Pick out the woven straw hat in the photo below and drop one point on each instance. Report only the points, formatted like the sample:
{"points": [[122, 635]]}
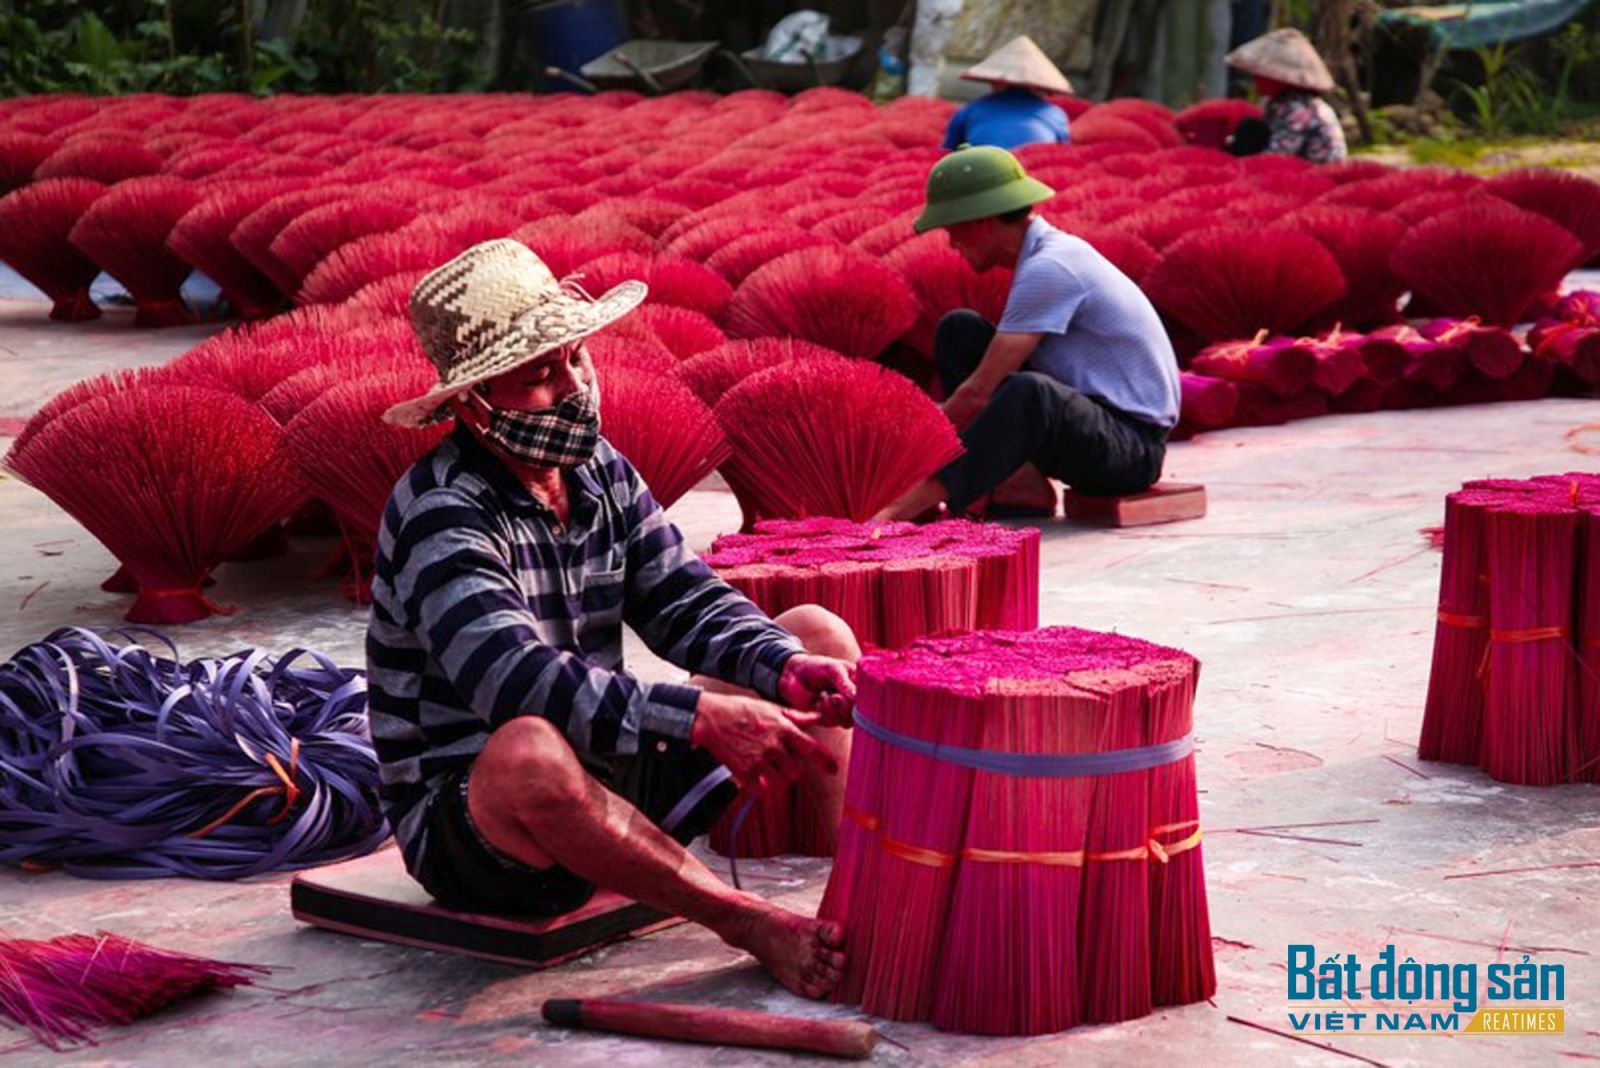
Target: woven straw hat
{"points": [[1284, 56], [1021, 63], [494, 307]]}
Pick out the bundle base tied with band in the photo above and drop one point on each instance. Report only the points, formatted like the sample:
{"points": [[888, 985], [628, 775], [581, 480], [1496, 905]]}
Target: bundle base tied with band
{"points": [[1021, 849], [1515, 682]]}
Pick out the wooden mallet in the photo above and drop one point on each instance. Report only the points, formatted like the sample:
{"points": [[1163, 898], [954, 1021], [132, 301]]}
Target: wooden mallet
{"points": [[713, 1026]]}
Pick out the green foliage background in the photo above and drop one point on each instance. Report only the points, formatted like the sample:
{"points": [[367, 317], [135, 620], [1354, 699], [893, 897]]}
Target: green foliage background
{"points": [[195, 46]]}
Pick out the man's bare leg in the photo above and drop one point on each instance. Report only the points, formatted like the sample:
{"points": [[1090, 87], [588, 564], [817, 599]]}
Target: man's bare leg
{"points": [[533, 800]]}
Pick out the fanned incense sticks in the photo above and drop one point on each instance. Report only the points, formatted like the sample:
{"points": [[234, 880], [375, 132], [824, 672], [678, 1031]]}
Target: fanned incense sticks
{"points": [[1513, 684], [1037, 863]]}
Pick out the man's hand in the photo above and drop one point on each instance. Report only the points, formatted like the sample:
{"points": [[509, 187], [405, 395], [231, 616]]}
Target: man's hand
{"points": [[759, 742], [819, 684], [964, 405]]}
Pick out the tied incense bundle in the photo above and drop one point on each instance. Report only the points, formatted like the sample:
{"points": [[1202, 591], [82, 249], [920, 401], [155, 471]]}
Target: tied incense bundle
{"points": [[1011, 798], [1512, 687], [892, 583]]}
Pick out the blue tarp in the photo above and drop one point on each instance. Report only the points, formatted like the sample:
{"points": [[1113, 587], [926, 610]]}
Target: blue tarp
{"points": [[1485, 23]]}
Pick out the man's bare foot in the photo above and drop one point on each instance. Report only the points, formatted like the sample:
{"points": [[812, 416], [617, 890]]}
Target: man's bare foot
{"points": [[1027, 489], [806, 955]]}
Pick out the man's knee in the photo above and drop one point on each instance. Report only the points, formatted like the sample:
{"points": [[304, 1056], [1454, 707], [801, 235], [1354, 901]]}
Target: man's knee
{"points": [[1026, 394], [821, 632], [529, 766]]}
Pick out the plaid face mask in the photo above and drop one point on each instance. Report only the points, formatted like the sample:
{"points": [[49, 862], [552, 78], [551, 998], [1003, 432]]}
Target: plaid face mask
{"points": [[562, 436]]}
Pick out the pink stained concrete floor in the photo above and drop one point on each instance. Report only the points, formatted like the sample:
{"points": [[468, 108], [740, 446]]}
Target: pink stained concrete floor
{"points": [[1308, 595]]}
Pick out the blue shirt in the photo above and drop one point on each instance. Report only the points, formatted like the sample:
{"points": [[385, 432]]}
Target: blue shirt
{"points": [[1010, 119], [484, 610], [1102, 335]]}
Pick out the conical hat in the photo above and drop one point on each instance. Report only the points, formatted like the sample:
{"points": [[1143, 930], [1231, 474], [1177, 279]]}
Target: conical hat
{"points": [[1021, 63], [1284, 56]]}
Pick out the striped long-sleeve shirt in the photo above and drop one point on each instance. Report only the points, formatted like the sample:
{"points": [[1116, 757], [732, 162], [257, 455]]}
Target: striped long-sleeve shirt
{"points": [[482, 611]]}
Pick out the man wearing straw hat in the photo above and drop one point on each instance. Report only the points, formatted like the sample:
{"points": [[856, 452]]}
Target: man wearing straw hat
{"points": [[1014, 113], [522, 767], [1297, 121], [1077, 381]]}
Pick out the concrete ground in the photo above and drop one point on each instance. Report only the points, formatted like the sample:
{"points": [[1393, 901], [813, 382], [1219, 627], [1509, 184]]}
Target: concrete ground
{"points": [[1308, 594]]}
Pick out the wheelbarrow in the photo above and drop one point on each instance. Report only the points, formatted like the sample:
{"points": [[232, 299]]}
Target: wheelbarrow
{"points": [[654, 66], [837, 56]]}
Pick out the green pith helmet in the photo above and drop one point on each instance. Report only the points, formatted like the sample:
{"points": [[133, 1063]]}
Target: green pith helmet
{"points": [[976, 182]]}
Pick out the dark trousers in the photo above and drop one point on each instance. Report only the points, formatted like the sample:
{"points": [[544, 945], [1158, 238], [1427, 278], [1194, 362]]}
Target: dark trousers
{"points": [[1086, 443]]}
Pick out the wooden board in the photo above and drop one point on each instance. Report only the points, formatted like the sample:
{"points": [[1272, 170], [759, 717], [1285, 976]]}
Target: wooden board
{"points": [[373, 897], [1165, 502]]}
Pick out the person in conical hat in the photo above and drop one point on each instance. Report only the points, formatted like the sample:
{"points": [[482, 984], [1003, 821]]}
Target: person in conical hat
{"points": [[1015, 113], [523, 766], [1290, 77]]}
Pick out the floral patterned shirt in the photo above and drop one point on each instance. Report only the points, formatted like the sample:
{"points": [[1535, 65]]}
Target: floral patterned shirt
{"points": [[1305, 125]]}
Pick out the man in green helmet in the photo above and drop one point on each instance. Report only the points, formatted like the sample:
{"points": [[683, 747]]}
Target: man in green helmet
{"points": [[1078, 379]]}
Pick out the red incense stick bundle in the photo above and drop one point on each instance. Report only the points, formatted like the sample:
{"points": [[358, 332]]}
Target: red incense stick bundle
{"points": [[1528, 735], [1492, 350], [1285, 370], [1452, 720], [1588, 641], [996, 877]]}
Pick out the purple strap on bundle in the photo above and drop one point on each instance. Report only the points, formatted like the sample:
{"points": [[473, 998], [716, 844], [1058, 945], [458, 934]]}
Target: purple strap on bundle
{"points": [[116, 763], [1036, 765]]}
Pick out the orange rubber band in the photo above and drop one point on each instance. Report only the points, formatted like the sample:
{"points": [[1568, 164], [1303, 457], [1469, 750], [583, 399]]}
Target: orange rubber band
{"points": [[1454, 619], [287, 787], [916, 854], [1530, 634]]}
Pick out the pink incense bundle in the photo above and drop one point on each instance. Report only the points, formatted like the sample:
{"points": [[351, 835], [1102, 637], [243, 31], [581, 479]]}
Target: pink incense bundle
{"points": [[944, 282], [892, 583], [1208, 402], [101, 158], [1360, 240], [254, 233], [716, 370], [840, 438], [673, 280], [1507, 688], [1485, 258], [683, 332], [171, 479], [1588, 641], [664, 430], [1571, 346], [308, 238], [1230, 281], [203, 238], [62, 988], [1492, 350], [1285, 370], [1435, 365], [1452, 721], [779, 565], [125, 232], [741, 257], [1529, 729], [835, 297], [20, 155], [351, 458], [1020, 851], [35, 222]]}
